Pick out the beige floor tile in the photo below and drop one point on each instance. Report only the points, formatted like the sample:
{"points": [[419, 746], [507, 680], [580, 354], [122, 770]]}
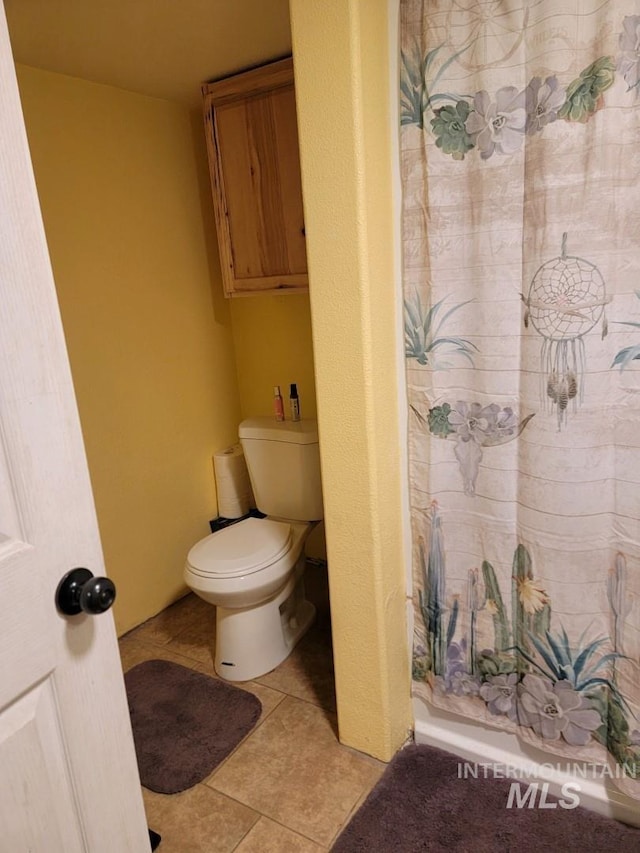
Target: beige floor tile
{"points": [[198, 820], [293, 770], [169, 623], [269, 837], [134, 651], [197, 640]]}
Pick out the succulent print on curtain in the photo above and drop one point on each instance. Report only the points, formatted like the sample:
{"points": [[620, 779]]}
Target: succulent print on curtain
{"points": [[520, 146]]}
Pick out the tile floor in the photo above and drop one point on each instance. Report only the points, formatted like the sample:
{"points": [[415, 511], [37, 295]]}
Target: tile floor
{"points": [[289, 786]]}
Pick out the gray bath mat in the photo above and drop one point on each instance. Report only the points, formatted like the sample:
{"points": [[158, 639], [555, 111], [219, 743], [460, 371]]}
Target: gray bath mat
{"points": [[420, 804], [184, 723]]}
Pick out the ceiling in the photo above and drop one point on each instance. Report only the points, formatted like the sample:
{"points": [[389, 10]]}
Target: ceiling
{"points": [[161, 48]]}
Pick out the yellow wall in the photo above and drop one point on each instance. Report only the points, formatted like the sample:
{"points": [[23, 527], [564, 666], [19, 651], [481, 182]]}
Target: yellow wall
{"points": [[122, 181], [346, 153], [272, 340]]}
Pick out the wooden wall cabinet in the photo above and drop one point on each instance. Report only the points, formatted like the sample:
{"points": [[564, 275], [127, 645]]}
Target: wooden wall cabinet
{"points": [[252, 142]]}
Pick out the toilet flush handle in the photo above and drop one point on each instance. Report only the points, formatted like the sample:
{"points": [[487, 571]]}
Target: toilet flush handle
{"points": [[79, 591]]}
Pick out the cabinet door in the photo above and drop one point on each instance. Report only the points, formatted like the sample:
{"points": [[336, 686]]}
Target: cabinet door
{"points": [[258, 167]]}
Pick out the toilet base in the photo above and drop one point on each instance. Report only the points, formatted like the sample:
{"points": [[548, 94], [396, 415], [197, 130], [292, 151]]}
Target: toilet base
{"points": [[251, 642]]}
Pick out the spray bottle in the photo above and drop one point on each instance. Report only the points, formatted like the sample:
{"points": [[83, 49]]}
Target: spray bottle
{"points": [[294, 402]]}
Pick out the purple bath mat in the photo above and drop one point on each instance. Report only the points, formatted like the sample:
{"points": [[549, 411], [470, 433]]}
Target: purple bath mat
{"points": [[421, 804], [184, 723]]}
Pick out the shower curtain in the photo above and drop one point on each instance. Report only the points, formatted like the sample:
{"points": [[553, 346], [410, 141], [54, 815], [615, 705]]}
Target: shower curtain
{"points": [[520, 151]]}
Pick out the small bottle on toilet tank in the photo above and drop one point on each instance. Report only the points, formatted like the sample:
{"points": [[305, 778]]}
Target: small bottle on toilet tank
{"points": [[294, 402], [278, 405]]}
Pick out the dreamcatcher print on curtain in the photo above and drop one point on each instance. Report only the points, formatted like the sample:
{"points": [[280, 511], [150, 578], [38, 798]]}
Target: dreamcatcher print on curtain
{"points": [[520, 146]]}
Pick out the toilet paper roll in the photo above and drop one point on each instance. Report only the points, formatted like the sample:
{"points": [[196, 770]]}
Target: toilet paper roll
{"points": [[233, 486]]}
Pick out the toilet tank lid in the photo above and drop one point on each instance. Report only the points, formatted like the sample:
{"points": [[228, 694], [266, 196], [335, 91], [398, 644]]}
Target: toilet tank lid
{"points": [[304, 431]]}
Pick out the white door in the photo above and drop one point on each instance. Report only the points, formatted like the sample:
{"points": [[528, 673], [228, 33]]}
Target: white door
{"points": [[68, 775]]}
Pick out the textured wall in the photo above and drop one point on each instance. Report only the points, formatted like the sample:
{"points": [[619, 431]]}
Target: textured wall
{"points": [[342, 82], [272, 341], [120, 179]]}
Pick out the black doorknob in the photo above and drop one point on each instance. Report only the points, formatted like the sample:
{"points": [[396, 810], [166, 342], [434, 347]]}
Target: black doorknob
{"points": [[79, 591]]}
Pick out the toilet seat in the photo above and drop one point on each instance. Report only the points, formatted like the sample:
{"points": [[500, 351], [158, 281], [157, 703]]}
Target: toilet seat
{"points": [[240, 549]]}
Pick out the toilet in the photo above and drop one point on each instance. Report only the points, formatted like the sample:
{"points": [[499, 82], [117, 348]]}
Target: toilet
{"points": [[253, 570]]}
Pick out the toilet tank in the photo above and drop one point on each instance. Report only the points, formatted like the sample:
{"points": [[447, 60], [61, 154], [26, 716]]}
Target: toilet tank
{"points": [[284, 467]]}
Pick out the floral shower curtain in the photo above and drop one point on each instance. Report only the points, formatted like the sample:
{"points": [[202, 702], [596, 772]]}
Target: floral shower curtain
{"points": [[520, 147]]}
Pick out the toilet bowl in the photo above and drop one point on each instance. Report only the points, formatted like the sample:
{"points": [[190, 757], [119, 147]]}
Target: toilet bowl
{"points": [[253, 573]]}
